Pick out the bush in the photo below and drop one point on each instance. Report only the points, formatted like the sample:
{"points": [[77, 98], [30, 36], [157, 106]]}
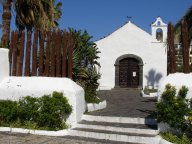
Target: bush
{"points": [[173, 110], [89, 81], [8, 111], [48, 112], [148, 91], [28, 109], [91, 95], [183, 139], [53, 111]]}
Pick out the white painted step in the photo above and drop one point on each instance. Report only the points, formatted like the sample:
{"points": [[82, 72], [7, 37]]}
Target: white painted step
{"points": [[129, 120], [115, 137], [119, 129]]}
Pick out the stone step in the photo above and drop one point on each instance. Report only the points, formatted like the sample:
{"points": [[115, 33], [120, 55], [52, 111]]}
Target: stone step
{"points": [[114, 136], [128, 120], [121, 129], [117, 132], [96, 141], [123, 125]]}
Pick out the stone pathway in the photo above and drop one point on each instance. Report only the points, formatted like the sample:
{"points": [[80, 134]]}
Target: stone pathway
{"points": [[126, 103], [15, 138]]}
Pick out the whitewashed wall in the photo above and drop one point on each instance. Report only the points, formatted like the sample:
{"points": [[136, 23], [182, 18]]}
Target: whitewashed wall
{"points": [[178, 80], [13, 88], [130, 39], [4, 63]]}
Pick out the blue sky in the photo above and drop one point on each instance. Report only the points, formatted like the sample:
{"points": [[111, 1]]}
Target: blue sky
{"points": [[101, 17]]}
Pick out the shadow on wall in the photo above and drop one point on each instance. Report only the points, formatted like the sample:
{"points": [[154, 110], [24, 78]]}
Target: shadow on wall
{"points": [[153, 78]]}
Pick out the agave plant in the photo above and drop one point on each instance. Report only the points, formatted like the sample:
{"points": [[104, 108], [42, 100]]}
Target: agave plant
{"points": [[89, 77]]}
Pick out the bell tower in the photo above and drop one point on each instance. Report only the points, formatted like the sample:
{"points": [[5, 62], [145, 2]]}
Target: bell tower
{"points": [[159, 31]]}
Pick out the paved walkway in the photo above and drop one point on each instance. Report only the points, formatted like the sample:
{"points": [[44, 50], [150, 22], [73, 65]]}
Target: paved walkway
{"points": [[125, 103], [16, 138]]}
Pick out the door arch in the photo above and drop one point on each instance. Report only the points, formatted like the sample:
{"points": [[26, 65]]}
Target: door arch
{"points": [[129, 71]]}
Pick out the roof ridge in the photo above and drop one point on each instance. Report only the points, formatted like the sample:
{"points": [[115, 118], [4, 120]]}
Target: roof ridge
{"points": [[127, 22]]}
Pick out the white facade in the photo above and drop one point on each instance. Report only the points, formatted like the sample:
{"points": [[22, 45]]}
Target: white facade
{"points": [[130, 41]]}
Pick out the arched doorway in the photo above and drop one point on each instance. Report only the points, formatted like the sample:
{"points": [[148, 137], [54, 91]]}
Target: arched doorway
{"points": [[129, 71]]}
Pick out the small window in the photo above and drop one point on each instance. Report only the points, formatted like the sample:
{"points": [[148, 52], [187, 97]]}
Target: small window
{"points": [[158, 23], [159, 35]]}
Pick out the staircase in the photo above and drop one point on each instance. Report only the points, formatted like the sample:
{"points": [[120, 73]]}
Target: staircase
{"points": [[127, 119], [117, 129]]}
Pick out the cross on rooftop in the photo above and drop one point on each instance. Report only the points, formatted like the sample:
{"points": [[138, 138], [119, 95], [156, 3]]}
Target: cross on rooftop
{"points": [[129, 18]]}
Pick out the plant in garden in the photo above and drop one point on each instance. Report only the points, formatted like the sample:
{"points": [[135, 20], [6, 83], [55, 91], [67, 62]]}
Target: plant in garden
{"points": [[53, 111], [148, 91], [174, 110], [47, 112], [28, 109], [8, 111], [89, 79], [176, 139], [85, 55]]}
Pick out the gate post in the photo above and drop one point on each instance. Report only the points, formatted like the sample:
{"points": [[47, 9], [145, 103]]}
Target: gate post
{"points": [[4, 63]]}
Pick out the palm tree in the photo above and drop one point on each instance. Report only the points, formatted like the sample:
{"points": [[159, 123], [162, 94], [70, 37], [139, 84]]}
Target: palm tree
{"points": [[38, 14], [6, 20]]}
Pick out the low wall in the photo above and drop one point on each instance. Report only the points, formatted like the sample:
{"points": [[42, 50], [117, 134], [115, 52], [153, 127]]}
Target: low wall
{"points": [[178, 80], [94, 107], [13, 88], [4, 63]]}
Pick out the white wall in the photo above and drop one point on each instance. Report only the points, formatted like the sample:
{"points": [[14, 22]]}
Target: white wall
{"points": [[13, 88], [178, 80], [130, 39], [4, 63]]}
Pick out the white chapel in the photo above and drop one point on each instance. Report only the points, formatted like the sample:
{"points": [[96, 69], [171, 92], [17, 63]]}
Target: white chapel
{"points": [[132, 58]]}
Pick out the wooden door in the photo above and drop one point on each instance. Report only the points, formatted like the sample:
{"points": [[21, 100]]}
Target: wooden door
{"points": [[129, 73]]}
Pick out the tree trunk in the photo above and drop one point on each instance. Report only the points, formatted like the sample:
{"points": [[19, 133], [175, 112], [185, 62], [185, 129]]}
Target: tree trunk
{"points": [[171, 49], [185, 46], [6, 20]]}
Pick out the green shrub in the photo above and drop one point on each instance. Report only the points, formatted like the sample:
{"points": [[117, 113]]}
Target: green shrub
{"points": [[88, 79], [172, 109], [48, 112], [28, 109], [8, 111], [91, 95], [53, 111], [183, 139], [148, 91]]}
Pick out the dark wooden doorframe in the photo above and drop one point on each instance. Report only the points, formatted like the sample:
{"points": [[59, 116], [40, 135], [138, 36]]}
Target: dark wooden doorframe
{"points": [[129, 73], [117, 64]]}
